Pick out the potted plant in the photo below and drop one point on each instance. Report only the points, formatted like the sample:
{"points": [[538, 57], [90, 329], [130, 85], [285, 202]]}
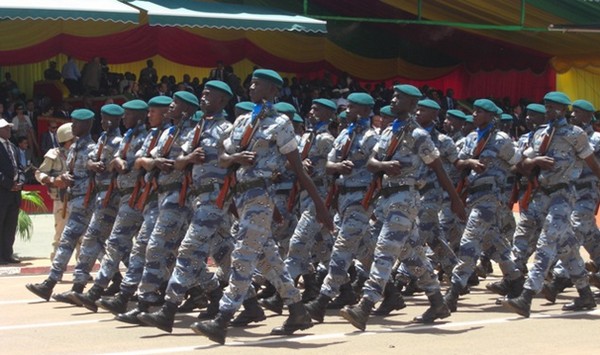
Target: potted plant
{"points": [[32, 201]]}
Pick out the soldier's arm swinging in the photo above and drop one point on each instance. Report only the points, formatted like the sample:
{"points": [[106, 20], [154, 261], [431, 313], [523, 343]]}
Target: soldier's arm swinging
{"points": [[456, 203]]}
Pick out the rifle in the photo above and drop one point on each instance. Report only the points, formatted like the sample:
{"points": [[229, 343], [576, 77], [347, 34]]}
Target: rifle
{"points": [[113, 180], [333, 191], [65, 198], [187, 178], [514, 193], [152, 184], [92, 182], [461, 188], [533, 183], [296, 186], [139, 181], [258, 114], [375, 184]]}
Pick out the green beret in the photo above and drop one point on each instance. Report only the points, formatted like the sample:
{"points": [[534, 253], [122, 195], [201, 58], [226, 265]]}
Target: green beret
{"points": [[297, 118], [469, 118], [584, 105], [160, 101], [429, 104], [342, 115], [387, 111], [408, 90], [187, 97], [197, 116], [245, 106], [284, 107], [486, 105], [325, 103], [506, 117], [135, 105], [219, 85], [112, 110], [558, 97], [499, 111], [269, 75], [361, 98], [457, 114], [82, 114], [537, 108]]}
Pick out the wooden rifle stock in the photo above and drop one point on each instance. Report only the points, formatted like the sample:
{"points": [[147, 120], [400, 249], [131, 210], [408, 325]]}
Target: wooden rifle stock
{"points": [[65, 198], [187, 177], [92, 182], [461, 187], [533, 183], [139, 181], [334, 191], [296, 186], [514, 193], [113, 180]]}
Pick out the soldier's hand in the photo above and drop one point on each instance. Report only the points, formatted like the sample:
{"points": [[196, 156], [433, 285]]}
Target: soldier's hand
{"points": [[59, 182], [392, 167], [345, 167], [119, 165], [164, 165], [96, 167], [17, 186], [68, 179], [198, 156], [245, 158], [477, 166], [544, 162], [308, 167]]}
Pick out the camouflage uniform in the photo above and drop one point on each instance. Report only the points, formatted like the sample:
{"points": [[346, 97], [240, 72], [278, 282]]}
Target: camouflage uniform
{"points": [[299, 261], [451, 226], [555, 200], [354, 219], [484, 199], [79, 216], [202, 236], [129, 220], [273, 139]]}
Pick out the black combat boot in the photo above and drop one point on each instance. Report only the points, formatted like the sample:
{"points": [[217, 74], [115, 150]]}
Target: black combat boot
{"points": [[42, 290], [311, 287], [392, 301], [299, 319], [473, 280], [251, 313], [115, 305], [595, 279], [358, 315], [411, 288], [214, 329], [585, 301], [520, 305], [131, 316], [88, 299], [437, 310], [347, 297], [358, 284], [317, 308], [196, 299], [273, 303], [213, 304], [451, 297], [266, 291], [553, 288], [499, 287], [115, 285], [162, 319], [65, 297], [515, 287]]}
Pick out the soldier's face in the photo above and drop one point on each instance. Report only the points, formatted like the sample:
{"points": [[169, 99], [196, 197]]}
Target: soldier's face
{"points": [[212, 101], [579, 116], [109, 122], [481, 117], [130, 118], [554, 110], [81, 128], [426, 115], [261, 90], [156, 115], [386, 120]]}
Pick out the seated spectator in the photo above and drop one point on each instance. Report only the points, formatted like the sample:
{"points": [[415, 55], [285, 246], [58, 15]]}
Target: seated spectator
{"points": [[24, 157]]}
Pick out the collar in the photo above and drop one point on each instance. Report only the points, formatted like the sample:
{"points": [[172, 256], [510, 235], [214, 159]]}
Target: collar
{"points": [[319, 126], [483, 131]]}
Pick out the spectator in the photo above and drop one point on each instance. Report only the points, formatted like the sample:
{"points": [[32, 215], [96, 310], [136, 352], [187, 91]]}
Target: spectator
{"points": [[52, 73], [91, 76], [24, 158], [9, 86], [218, 73], [32, 113], [49, 138], [72, 76], [148, 76]]}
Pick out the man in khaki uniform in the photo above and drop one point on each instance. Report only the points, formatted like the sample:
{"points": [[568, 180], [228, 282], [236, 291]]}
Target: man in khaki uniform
{"points": [[48, 174]]}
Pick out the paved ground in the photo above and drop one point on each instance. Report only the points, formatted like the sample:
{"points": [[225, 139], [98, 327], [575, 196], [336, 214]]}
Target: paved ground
{"points": [[33, 326]]}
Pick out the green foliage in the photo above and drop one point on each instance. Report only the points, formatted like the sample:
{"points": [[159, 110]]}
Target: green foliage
{"points": [[25, 224]]}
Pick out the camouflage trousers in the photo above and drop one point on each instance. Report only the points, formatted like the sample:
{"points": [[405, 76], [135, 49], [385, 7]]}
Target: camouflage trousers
{"points": [[77, 224], [163, 243], [399, 239], [482, 232], [207, 234], [254, 241], [556, 240], [137, 257], [119, 243], [526, 234], [451, 227], [282, 232]]}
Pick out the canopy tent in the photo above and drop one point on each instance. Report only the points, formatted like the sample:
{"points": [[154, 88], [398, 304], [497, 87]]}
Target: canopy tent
{"points": [[97, 10]]}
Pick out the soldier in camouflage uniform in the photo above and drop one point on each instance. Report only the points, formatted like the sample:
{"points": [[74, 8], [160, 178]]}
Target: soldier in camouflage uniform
{"points": [[159, 122], [172, 216], [208, 219], [485, 181], [77, 179], [272, 140], [129, 220], [558, 168], [400, 201]]}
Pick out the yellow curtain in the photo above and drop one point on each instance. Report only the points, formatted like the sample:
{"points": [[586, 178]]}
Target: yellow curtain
{"points": [[581, 84]]}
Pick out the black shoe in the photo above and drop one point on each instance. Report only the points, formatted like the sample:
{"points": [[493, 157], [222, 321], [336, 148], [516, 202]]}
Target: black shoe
{"points": [[358, 315], [585, 301], [273, 304], [473, 280], [215, 329], [347, 297], [451, 297], [162, 319], [520, 305], [499, 287], [212, 308], [115, 285], [115, 305], [392, 301], [266, 291], [252, 313], [411, 288], [131, 316], [317, 308], [42, 290], [299, 319], [12, 260], [67, 297], [196, 299], [88, 299], [595, 279], [311, 287], [437, 310]]}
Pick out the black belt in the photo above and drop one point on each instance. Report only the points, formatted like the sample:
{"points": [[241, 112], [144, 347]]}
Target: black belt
{"points": [[346, 190], [125, 191], [554, 188], [283, 192], [203, 189], [101, 188], [428, 186], [390, 190], [242, 187], [480, 188], [169, 187], [584, 185]]}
